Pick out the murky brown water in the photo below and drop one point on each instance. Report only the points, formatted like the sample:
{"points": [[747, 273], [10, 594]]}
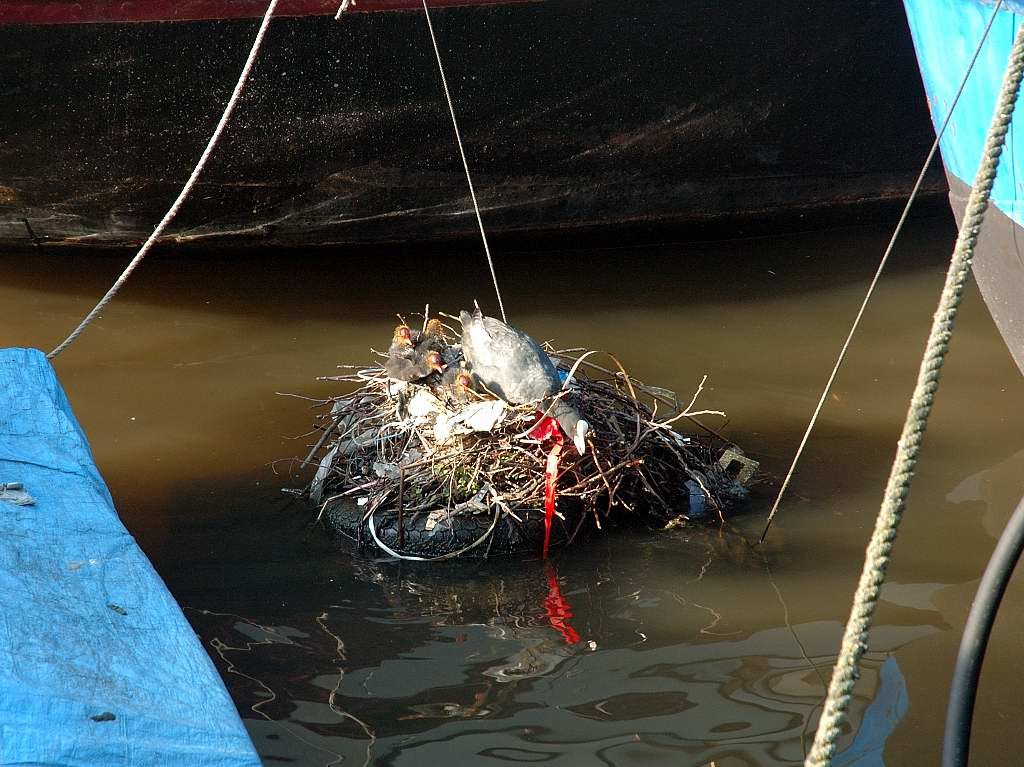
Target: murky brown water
{"points": [[694, 646]]}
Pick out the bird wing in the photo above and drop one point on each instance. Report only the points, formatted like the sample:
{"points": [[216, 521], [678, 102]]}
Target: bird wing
{"points": [[515, 363]]}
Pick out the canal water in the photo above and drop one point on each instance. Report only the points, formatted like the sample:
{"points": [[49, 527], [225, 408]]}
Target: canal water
{"points": [[694, 647]]}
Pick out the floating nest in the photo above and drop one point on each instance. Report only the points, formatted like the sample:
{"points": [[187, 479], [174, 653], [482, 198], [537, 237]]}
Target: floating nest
{"points": [[405, 470]]}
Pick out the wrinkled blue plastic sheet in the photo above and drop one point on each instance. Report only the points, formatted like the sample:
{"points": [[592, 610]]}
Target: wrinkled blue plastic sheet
{"points": [[98, 666]]}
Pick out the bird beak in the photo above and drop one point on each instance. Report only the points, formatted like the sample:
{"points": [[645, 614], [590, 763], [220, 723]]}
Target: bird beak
{"points": [[579, 438], [581, 445]]}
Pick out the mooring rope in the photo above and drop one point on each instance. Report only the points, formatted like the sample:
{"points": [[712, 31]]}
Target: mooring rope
{"points": [[855, 638], [185, 190], [342, 8], [878, 274], [465, 162]]}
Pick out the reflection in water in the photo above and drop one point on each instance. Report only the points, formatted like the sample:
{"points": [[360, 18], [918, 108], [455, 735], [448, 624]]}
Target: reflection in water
{"points": [[692, 646], [465, 662]]}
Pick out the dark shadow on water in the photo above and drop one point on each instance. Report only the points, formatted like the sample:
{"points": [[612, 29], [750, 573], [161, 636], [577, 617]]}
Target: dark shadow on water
{"points": [[370, 283]]}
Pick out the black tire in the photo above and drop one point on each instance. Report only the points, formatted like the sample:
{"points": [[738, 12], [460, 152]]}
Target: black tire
{"points": [[455, 533]]}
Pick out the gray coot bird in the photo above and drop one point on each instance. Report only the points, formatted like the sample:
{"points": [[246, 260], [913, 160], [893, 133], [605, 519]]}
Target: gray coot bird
{"points": [[514, 366]]}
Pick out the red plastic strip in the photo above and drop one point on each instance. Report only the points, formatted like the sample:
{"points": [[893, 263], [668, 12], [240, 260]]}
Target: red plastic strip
{"points": [[551, 491], [545, 429]]}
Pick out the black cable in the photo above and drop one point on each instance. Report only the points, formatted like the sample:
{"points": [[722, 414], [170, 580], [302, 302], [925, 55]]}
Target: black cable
{"points": [[957, 741]]}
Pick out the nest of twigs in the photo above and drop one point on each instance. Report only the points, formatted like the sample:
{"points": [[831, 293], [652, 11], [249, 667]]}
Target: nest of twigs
{"points": [[404, 470]]}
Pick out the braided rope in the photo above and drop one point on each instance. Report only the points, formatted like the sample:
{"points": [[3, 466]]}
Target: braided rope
{"points": [[185, 190], [855, 638]]}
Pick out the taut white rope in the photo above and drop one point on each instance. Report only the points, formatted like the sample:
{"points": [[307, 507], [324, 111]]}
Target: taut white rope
{"points": [[465, 163], [878, 274]]}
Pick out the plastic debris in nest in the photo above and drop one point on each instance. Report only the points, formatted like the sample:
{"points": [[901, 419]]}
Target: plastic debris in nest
{"points": [[417, 470]]}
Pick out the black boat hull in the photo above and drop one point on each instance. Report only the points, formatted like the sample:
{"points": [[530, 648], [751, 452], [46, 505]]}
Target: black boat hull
{"points": [[574, 115]]}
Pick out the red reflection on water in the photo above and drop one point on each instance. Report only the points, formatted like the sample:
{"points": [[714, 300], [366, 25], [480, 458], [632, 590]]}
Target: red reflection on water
{"points": [[557, 607]]}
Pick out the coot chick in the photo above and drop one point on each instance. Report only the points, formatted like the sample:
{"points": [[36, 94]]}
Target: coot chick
{"points": [[409, 354], [413, 367], [402, 342], [456, 385], [432, 337]]}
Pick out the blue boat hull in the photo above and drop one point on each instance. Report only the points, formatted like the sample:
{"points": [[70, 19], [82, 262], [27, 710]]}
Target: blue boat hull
{"points": [[98, 666], [946, 34]]}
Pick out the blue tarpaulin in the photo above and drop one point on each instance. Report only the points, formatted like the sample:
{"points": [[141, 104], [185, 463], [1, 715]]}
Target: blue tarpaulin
{"points": [[98, 666]]}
